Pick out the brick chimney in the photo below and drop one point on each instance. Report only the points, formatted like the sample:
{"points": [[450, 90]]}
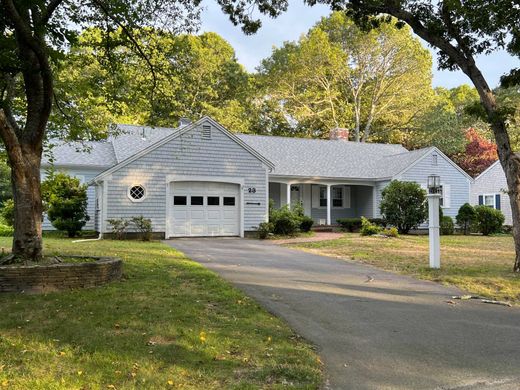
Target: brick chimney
{"points": [[339, 133]]}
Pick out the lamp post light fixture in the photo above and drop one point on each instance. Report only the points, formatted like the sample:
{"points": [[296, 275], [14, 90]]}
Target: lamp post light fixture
{"points": [[434, 196]]}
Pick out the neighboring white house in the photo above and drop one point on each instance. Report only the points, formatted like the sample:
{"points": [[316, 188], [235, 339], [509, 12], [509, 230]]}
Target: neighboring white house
{"points": [[202, 180], [490, 189]]}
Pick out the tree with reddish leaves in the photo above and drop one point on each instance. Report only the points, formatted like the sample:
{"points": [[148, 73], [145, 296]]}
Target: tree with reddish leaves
{"points": [[479, 153]]}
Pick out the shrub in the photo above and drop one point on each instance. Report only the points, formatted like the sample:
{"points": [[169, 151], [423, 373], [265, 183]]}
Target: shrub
{"points": [[66, 201], [466, 217], [6, 231], [7, 212], [143, 226], [118, 227], [368, 228], [350, 224], [391, 232], [306, 223], [488, 220], [285, 222], [264, 230], [447, 226], [404, 205]]}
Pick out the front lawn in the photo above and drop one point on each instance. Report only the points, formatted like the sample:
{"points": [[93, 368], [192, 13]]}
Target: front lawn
{"points": [[169, 324], [481, 265]]}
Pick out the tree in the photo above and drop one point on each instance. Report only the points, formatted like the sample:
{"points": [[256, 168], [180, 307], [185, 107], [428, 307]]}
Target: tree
{"points": [[65, 199], [479, 153], [403, 205], [195, 75], [460, 31], [34, 36], [465, 217], [340, 76]]}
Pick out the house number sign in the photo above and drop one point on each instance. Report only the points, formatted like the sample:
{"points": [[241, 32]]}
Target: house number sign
{"points": [[251, 190]]}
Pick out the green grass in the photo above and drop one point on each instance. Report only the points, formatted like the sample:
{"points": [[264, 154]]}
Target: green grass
{"points": [[480, 265], [170, 323]]}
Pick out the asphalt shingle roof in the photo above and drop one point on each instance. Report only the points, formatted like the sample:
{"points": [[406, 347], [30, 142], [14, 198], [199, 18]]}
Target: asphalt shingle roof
{"points": [[291, 156], [325, 158]]}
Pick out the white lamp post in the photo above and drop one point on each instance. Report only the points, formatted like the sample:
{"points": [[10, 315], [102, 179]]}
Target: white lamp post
{"points": [[434, 185]]}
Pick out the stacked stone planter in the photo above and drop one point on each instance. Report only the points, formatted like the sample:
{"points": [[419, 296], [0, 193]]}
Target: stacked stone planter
{"points": [[62, 276]]}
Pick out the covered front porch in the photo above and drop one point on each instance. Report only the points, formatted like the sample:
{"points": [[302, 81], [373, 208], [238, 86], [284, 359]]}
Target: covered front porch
{"points": [[325, 201]]}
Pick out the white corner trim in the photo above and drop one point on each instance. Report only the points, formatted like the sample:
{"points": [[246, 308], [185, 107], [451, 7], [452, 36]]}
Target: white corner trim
{"points": [[104, 205]]}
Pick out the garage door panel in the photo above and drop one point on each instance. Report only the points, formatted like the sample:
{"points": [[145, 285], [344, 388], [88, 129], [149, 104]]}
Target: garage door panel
{"points": [[214, 214], [217, 215]]}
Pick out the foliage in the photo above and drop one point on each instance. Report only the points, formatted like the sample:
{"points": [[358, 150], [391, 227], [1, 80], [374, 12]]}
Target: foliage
{"points": [[466, 217], [390, 232], [123, 335], [479, 153], [6, 191], [368, 228], [488, 220], [306, 223], [195, 75], [143, 226], [118, 227], [66, 202], [350, 224], [285, 221], [6, 231], [264, 230], [447, 226], [7, 212], [403, 205], [339, 75]]}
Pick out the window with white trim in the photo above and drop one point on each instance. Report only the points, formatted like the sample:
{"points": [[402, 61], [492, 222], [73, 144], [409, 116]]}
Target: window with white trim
{"points": [[434, 159], [137, 193], [337, 197], [489, 200]]}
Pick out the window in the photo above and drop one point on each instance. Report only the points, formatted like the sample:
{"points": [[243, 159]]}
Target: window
{"points": [[323, 196], [206, 131], [441, 193], [489, 200], [229, 201], [434, 159], [337, 196], [179, 201], [137, 193], [197, 200], [213, 201]]}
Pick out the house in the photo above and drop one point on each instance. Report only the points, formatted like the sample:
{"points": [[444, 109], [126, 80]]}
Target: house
{"points": [[201, 180], [490, 189]]}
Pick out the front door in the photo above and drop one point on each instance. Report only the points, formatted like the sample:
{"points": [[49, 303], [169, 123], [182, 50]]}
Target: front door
{"points": [[296, 194]]}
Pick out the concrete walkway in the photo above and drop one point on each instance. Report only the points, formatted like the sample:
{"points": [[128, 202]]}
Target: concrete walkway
{"points": [[392, 332]]}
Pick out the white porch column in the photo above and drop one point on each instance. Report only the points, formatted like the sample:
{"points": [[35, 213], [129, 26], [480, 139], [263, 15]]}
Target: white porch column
{"points": [[328, 204], [289, 194]]}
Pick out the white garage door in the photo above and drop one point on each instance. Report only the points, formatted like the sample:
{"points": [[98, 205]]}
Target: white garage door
{"points": [[204, 209]]}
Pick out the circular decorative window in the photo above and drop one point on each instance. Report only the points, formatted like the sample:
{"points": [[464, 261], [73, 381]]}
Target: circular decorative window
{"points": [[137, 193]]}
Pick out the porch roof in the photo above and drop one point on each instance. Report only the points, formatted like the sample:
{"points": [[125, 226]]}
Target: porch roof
{"points": [[303, 157]]}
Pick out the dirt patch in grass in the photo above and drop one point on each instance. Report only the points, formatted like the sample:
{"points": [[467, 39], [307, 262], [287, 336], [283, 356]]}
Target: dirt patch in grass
{"points": [[480, 265]]}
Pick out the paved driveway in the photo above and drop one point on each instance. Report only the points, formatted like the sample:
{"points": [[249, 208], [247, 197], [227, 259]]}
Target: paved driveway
{"points": [[393, 332]]}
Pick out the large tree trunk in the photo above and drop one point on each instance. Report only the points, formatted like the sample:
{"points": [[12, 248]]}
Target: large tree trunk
{"points": [[27, 240]]}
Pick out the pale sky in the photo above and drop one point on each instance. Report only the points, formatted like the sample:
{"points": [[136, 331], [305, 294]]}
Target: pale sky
{"points": [[250, 50]]}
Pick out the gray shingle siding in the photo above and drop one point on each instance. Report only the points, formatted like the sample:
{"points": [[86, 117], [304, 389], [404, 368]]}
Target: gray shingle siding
{"points": [[188, 154], [458, 182], [493, 181]]}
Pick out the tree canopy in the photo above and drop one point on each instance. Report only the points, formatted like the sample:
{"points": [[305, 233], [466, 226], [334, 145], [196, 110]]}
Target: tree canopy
{"points": [[338, 75]]}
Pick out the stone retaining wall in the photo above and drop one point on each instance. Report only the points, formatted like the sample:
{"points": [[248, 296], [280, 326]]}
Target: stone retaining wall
{"points": [[63, 276]]}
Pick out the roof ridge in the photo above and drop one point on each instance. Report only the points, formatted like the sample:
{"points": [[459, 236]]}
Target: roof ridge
{"points": [[318, 139]]}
